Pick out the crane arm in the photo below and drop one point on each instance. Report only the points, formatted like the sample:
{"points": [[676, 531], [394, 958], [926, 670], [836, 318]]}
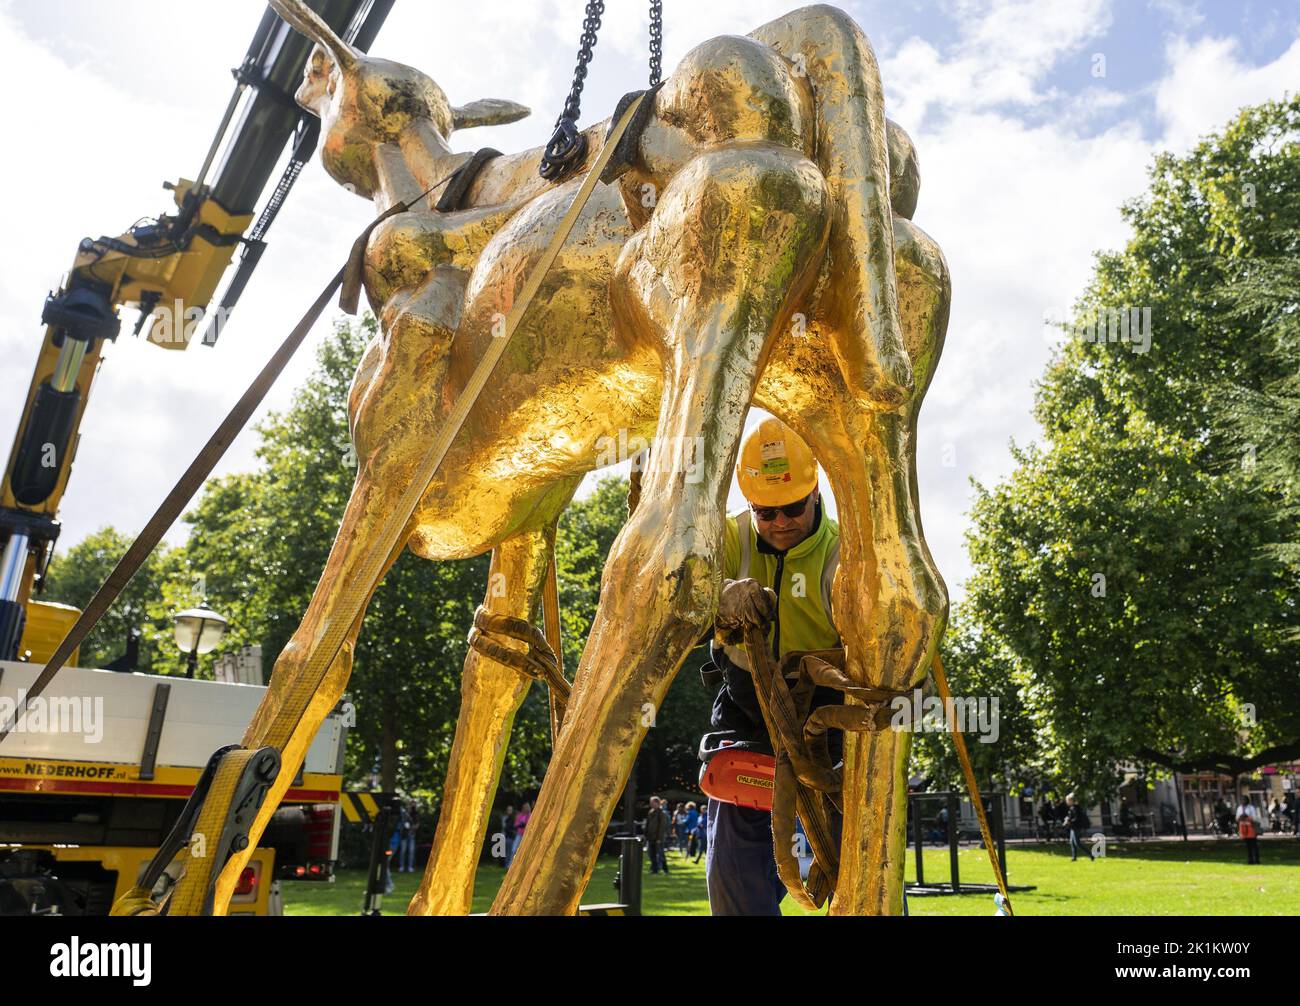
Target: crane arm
{"points": [[168, 269]]}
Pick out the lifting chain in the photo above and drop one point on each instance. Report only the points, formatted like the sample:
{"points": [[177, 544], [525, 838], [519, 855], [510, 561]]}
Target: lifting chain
{"points": [[656, 39], [567, 147]]}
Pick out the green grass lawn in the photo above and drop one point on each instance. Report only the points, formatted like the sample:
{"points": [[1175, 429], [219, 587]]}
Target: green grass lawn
{"points": [[1149, 878]]}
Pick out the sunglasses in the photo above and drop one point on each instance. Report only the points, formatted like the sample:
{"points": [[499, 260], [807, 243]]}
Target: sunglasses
{"points": [[791, 510]]}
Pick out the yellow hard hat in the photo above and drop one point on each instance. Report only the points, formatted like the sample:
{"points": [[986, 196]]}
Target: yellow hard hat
{"points": [[776, 467]]}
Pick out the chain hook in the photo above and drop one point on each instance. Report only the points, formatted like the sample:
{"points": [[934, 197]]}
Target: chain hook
{"points": [[564, 149], [567, 147]]}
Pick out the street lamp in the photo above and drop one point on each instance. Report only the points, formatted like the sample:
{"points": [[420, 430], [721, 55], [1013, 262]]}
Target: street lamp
{"points": [[198, 630]]}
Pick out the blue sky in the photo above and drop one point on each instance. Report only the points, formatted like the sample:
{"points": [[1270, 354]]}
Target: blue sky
{"points": [[1026, 156]]}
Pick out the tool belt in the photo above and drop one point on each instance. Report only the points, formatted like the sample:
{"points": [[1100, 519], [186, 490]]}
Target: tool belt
{"points": [[737, 771]]}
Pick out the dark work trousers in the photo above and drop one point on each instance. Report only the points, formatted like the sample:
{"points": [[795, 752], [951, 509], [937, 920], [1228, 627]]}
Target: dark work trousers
{"points": [[740, 865], [1252, 851]]}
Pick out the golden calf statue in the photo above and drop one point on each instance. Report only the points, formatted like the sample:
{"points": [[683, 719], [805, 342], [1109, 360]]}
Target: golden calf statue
{"points": [[775, 264]]}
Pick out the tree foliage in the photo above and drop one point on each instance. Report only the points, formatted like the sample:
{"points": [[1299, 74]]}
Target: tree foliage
{"points": [[1134, 577], [75, 575]]}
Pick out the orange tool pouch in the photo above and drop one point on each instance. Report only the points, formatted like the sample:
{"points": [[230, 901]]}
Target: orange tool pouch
{"points": [[734, 774]]}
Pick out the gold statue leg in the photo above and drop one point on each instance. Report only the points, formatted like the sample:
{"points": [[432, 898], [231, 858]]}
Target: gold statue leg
{"points": [[490, 696], [307, 683], [889, 600], [889, 605], [883, 322], [858, 293], [734, 241], [888, 582]]}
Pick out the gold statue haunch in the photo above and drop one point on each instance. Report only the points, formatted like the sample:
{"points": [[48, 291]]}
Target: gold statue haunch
{"points": [[760, 251]]}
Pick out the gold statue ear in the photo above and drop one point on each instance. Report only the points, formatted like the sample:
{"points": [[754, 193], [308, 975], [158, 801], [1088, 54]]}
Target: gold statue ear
{"points": [[307, 22], [904, 172], [487, 112]]}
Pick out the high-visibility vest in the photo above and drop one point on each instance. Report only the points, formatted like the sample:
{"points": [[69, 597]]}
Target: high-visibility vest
{"points": [[804, 617]]}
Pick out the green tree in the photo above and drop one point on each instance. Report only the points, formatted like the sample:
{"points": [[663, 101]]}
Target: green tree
{"points": [[142, 607], [1013, 754], [1132, 572], [1262, 422]]}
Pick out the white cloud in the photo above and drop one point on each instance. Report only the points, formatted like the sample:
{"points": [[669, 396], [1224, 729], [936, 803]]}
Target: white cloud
{"points": [[1003, 52], [1184, 14], [1208, 82]]}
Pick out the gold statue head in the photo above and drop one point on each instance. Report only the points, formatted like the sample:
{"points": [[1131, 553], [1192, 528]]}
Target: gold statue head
{"points": [[364, 102]]}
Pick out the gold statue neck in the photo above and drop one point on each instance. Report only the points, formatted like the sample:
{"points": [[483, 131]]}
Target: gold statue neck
{"points": [[418, 160]]}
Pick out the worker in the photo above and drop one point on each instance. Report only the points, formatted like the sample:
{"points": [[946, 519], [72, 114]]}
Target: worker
{"points": [[780, 558]]}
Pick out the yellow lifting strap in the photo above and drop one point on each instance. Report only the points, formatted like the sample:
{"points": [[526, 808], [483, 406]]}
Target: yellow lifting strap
{"points": [[193, 893], [941, 682], [551, 625], [806, 784], [804, 778]]}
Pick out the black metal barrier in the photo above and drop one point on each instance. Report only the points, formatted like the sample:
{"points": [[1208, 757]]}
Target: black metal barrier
{"points": [[952, 828]]}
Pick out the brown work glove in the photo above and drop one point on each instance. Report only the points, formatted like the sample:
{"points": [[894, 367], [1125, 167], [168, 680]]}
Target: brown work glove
{"points": [[744, 604]]}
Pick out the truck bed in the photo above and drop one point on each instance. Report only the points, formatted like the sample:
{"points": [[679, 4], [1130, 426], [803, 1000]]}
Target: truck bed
{"points": [[96, 726]]}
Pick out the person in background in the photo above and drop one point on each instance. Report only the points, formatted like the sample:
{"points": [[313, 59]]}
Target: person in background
{"points": [[408, 822], [1125, 818], [1076, 823], [1249, 826], [390, 860], [692, 820], [702, 832], [508, 830], [679, 829], [521, 822], [1046, 816], [657, 830], [1223, 817], [939, 833], [1275, 816]]}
